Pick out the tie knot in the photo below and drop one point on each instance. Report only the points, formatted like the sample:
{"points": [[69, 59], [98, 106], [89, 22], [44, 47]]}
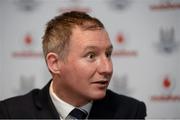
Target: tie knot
{"points": [[78, 114]]}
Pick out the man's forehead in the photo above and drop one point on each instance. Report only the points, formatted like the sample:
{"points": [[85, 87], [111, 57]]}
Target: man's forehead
{"points": [[90, 39]]}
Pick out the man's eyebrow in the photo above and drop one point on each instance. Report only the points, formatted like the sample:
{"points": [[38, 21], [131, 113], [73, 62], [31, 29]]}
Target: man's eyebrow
{"points": [[110, 47], [90, 47]]}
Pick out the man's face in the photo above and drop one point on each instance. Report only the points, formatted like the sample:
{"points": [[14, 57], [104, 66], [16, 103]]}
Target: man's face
{"points": [[87, 70]]}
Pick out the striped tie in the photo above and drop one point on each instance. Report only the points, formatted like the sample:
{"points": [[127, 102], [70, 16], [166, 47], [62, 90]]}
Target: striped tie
{"points": [[78, 114]]}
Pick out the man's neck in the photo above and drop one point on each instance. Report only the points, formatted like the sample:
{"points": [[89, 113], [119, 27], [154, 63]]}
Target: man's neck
{"points": [[75, 101]]}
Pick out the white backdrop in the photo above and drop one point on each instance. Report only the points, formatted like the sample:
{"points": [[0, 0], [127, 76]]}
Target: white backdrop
{"points": [[144, 33]]}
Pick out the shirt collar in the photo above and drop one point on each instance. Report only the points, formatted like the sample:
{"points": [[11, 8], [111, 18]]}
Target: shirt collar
{"points": [[62, 107]]}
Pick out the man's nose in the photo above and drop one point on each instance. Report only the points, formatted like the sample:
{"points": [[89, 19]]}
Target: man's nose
{"points": [[105, 66]]}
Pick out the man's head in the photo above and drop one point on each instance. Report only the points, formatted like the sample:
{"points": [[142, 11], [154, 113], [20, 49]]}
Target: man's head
{"points": [[59, 30], [78, 54]]}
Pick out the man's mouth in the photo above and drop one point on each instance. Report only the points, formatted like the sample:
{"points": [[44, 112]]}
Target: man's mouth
{"points": [[101, 82]]}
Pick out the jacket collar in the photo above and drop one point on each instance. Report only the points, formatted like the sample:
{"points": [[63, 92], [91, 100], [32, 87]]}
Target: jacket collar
{"points": [[100, 108], [44, 103]]}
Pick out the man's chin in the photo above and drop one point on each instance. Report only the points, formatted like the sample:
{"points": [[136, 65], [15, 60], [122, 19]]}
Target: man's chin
{"points": [[99, 95]]}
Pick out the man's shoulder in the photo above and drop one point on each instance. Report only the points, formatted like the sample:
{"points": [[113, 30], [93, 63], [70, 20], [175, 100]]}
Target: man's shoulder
{"points": [[35, 94], [19, 106], [134, 107], [35, 104], [115, 105], [21, 99], [121, 99]]}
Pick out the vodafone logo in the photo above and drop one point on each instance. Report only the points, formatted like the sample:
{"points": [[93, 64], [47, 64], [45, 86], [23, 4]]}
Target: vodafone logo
{"points": [[28, 48], [121, 48], [120, 39], [28, 39], [167, 90], [166, 5], [166, 83]]}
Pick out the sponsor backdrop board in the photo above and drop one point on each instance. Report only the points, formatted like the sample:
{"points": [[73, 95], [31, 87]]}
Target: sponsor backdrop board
{"points": [[144, 33]]}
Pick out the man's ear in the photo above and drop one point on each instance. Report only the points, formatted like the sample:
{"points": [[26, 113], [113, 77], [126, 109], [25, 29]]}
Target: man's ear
{"points": [[53, 62]]}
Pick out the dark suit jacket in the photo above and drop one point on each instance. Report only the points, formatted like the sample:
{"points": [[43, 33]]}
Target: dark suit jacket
{"points": [[37, 104]]}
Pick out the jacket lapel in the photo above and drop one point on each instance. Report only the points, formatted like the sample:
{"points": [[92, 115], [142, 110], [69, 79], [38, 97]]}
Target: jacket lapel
{"points": [[44, 104], [102, 109]]}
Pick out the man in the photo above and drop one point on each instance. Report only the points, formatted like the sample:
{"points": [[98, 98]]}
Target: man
{"points": [[77, 51]]}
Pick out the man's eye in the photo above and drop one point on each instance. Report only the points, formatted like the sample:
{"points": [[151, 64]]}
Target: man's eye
{"points": [[91, 55], [108, 54]]}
